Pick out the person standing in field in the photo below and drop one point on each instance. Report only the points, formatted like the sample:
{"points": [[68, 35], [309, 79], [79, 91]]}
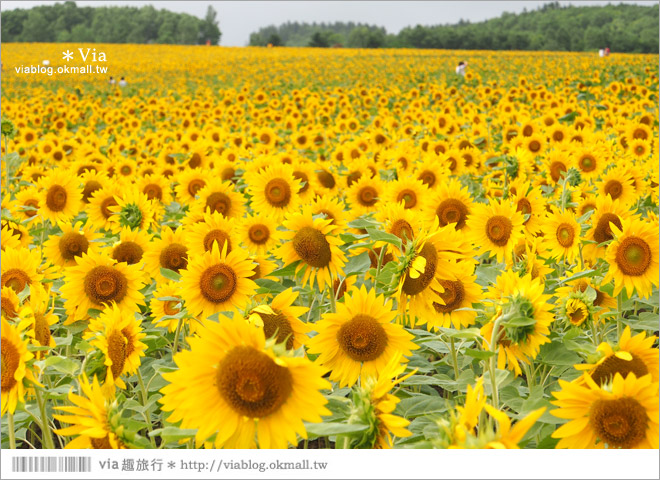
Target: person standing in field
{"points": [[460, 68]]}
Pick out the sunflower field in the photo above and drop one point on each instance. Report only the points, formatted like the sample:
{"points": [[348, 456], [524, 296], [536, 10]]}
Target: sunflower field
{"points": [[329, 248]]}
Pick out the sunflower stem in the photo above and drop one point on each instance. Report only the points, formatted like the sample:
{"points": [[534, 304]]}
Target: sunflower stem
{"points": [[454, 357], [619, 307], [146, 414], [10, 426], [494, 347], [177, 332], [333, 303], [47, 438]]}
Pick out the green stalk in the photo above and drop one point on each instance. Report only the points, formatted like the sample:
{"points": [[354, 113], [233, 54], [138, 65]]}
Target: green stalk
{"points": [[494, 349], [619, 307], [454, 357], [47, 438], [12, 433], [177, 333]]}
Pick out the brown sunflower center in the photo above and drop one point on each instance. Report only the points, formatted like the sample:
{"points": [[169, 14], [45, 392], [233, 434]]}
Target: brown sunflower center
{"points": [[195, 186], [89, 188], [218, 283], [129, 252], [619, 423], [101, 443], [220, 237], [117, 352], [326, 178], [452, 210], [587, 163], [498, 230], [556, 169], [16, 279], [565, 235], [604, 372], [104, 284], [278, 192], [413, 286], [339, 287], [10, 362], [525, 208], [73, 244], [362, 338], [170, 307], [534, 146], [278, 325], [174, 257], [56, 198], [302, 176], [41, 329], [105, 207], [427, 177], [153, 191], [32, 211], [452, 296], [603, 232], [219, 202], [312, 246], [367, 196], [353, 177], [402, 229], [259, 233], [408, 197], [613, 188], [252, 383], [8, 308], [633, 257]]}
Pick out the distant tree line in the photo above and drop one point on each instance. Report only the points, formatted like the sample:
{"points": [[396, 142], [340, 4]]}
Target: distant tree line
{"points": [[622, 28], [66, 22]]}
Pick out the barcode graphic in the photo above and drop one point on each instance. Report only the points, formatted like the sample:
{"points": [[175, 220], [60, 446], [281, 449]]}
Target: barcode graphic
{"points": [[51, 464]]}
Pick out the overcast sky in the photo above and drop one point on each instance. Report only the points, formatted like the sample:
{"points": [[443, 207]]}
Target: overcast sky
{"points": [[240, 18]]}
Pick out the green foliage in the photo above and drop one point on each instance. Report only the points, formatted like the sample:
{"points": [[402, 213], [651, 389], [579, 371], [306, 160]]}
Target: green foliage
{"points": [[622, 28], [68, 23]]}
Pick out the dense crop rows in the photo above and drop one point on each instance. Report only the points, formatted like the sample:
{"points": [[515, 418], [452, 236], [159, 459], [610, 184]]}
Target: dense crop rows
{"points": [[289, 247]]}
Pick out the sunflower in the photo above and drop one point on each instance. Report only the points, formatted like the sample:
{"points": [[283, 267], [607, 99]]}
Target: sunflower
{"points": [[530, 203], [591, 161], [62, 250], [262, 266], [280, 319], [131, 246], [258, 232], [219, 196], [617, 183], [364, 195], [156, 187], [622, 413], [91, 182], [274, 191], [360, 338], [60, 198], [118, 336], [90, 418], [633, 257], [431, 171], [519, 298], [403, 222], [166, 302], [409, 191], [9, 239], [333, 208], [312, 242], [96, 281], [259, 393], [99, 207], [606, 211], [17, 230], [451, 204], [15, 355], [603, 302], [10, 303], [133, 210], [28, 205], [215, 228], [170, 251], [304, 171], [495, 229], [431, 258], [632, 355], [20, 268], [37, 318], [557, 164], [561, 233], [458, 296], [190, 182], [218, 281]]}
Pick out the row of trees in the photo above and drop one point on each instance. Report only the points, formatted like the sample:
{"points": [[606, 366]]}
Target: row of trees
{"points": [[66, 22], [623, 27]]}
